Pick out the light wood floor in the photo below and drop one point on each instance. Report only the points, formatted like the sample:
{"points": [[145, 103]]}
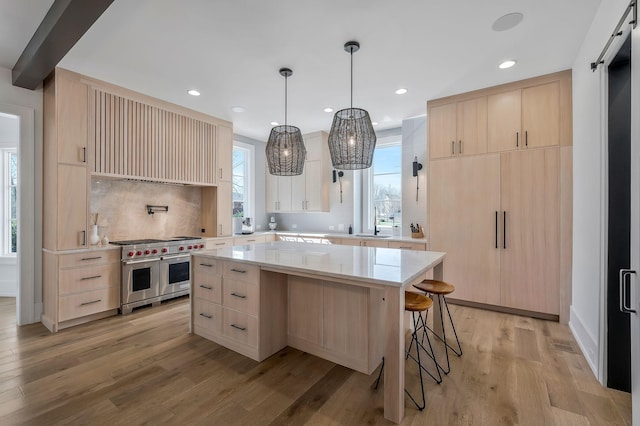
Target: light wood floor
{"points": [[146, 368]]}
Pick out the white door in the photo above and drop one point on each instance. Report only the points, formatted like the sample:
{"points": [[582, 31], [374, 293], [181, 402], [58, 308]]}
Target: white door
{"points": [[633, 281]]}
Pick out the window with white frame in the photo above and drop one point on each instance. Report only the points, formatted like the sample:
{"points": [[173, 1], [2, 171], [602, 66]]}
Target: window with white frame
{"points": [[383, 187], [243, 180], [9, 196]]}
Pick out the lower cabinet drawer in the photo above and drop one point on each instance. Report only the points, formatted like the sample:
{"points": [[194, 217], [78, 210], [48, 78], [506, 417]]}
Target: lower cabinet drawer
{"points": [[208, 287], [240, 295], [240, 327], [87, 303], [207, 317], [78, 280], [407, 246]]}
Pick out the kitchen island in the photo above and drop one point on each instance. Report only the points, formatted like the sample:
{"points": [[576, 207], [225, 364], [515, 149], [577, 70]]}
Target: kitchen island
{"points": [[341, 303]]}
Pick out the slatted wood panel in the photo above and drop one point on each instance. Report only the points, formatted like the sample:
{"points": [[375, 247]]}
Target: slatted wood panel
{"points": [[132, 139]]}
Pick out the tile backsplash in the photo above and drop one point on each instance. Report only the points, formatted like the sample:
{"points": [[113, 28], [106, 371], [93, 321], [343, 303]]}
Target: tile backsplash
{"points": [[122, 212]]}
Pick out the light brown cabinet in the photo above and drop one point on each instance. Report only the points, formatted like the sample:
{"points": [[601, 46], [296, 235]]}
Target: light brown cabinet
{"points": [[524, 118], [498, 215], [224, 154], [72, 208], [458, 128]]}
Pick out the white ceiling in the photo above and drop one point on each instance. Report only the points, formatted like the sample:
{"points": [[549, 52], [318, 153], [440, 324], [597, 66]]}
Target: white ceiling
{"points": [[231, 52]]}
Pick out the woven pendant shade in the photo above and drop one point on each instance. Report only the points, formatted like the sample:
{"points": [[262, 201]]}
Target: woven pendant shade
{"points": [[285, 148], [352, 140], [285, 151]]}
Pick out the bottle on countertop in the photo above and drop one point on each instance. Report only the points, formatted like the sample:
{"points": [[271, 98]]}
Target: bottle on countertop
{"points": [[350, 230]]}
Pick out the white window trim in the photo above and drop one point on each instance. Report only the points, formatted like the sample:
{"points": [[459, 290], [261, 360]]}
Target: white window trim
{"points": [[367, 182], [4, 193], [250, 178]]}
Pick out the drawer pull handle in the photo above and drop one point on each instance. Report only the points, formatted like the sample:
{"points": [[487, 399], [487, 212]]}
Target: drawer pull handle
{"points": [[91, 258], [405, 247], [91, 278], [90, 303], [205, 315], [242, 271], [240, 296], [220, 244], [238, 327], [208, 265], [250, 241], [206, 287]]}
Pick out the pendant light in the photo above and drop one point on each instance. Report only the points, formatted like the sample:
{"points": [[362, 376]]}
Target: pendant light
{"points": [[352, 139], [285, 148]]}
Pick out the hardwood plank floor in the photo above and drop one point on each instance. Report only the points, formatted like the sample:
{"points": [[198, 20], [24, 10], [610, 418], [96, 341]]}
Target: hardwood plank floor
{"points": [[145, 368]]}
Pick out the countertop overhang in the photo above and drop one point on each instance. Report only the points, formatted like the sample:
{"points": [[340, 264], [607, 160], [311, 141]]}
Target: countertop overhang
{"points": [[372, 265]]}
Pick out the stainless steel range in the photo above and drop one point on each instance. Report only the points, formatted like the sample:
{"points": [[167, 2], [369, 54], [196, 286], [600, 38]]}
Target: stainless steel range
{"points": [[155, 270]]}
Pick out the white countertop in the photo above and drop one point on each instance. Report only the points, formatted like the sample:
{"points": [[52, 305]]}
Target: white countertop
{"points": [[398, 238], [384, 266]]}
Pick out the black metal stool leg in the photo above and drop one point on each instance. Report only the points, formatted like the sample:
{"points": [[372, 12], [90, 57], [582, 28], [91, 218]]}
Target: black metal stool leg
{"points": [[414, 335], [459, 351], [380, 374]]}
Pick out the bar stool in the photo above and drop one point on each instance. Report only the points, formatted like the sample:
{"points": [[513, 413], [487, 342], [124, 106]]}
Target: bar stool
{"points": [[441, 289], [417, 303]]}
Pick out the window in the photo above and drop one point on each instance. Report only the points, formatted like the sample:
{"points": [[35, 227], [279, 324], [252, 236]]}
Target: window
{"points": [[9, 192], [243, 180], [383, 187]]}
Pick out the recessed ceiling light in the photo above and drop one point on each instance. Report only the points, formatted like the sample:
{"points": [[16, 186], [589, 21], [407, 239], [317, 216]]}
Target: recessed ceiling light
{"points": [[328, 109], [274, 123], [193, 92], [375, 123], [507, 21], [237, 108], [401, 91], [507, 64]]}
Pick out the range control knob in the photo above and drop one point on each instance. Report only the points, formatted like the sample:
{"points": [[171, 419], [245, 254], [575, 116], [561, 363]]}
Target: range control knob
{"points": [[201, 245], [181, 248], [164, 250], [147, 252], [139, 253], [190, 247], [154, 251], [130, 254]]}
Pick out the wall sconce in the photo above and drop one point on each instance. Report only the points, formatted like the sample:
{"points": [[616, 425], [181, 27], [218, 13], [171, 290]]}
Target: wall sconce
{"points": [[339, 175], [416, 166]]}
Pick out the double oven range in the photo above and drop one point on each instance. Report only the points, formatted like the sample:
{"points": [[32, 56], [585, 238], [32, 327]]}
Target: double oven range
{"points": [[155, 270]]}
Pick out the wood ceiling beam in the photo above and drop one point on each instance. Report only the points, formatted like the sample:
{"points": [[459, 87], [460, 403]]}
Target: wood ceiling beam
{"points": [[65, 22]]}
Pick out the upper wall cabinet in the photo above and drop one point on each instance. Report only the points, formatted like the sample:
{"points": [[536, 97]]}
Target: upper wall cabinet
{"points": [[71, 97], [132, 138], [525, 118], [458, 128]]}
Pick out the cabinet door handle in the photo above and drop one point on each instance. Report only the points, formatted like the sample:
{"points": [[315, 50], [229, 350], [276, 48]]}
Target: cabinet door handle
{"points": [[526, 138], [84, 238], [460, 146], [91, 258], [91, 278], [84, 154], [517, 139], [206, 287], [220, 172], [453, 147], [220, 226], [205, 315], [239, 296], [408, 248], [496, 229], [504, 230], [220, 244], [242, 271], [624, 273], [238, 327], [90, 303], [208, 265], [303, 205]]}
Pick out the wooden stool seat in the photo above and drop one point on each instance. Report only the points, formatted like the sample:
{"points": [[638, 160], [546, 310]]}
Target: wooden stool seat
{"points": [[414, 302], [435, 287]]}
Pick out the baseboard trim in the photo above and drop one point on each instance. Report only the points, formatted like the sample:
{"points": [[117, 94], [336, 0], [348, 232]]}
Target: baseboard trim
{"points": [[587, 343], [514, 311]]}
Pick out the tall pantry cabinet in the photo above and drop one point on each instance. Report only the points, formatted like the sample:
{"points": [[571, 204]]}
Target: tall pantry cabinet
{"points": [[503, 211]]}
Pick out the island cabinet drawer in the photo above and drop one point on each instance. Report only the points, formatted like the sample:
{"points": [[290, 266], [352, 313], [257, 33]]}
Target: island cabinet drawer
{"points": [[214, 243], [248, 240], [408, 246], [240, 327], [241, 271], [87, 303], [208, 287], [77, 280], [207, 317], [204, 266], [89, 258], [242, 296]]}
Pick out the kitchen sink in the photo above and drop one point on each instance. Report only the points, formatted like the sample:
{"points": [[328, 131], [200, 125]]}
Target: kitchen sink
{"points": [[372, 236]]}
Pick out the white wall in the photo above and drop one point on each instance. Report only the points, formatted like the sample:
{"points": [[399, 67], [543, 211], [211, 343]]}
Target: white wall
{"points": [[28, 104], [589, 156]]}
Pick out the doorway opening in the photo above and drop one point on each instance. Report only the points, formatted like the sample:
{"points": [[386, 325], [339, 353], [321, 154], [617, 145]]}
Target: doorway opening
{"points": [[619, 217], [9, 141]]}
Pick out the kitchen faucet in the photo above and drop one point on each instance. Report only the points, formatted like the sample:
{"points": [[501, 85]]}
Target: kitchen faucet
{"points": [[375, 221]]}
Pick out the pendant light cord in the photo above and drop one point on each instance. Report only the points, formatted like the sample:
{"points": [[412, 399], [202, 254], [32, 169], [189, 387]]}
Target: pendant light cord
{"points": [[285, 100], [351, 52]]}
